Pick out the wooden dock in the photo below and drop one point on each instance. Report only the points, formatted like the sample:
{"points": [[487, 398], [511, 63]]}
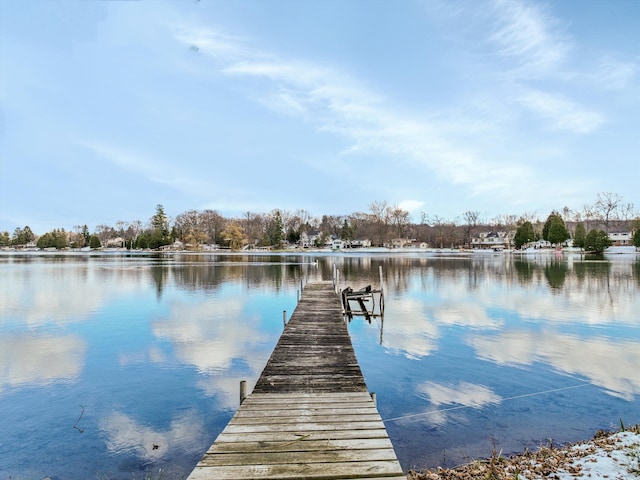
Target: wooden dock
{"points": [[310, 415]]}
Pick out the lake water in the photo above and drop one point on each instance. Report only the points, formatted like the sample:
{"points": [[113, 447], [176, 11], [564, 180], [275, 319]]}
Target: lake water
{"points": [[119, 366]]}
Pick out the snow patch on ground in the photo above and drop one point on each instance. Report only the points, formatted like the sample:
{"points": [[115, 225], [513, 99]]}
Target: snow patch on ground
{"points": [[616, 458]]}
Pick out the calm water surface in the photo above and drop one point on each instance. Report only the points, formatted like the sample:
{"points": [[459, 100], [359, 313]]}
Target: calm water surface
{"points": [[115, 366]]}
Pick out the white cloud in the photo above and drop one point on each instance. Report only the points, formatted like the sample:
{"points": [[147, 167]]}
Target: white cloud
{"points": [[614, 74], [411, 206], [525, 33], [336, 102], [561, 113], [212, 43]]}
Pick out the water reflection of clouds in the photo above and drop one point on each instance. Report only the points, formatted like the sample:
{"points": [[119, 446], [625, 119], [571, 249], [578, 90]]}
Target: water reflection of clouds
{"points": [[62, 296], [465, 314], [411, 331], [416, 326], [126, 436], [612, 365], [210, 336], [463, 394], [30, 361], [573, 306], [488, 303]]}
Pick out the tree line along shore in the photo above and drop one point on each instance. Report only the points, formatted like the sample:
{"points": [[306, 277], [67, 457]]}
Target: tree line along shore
{"points": [[587, 228]]}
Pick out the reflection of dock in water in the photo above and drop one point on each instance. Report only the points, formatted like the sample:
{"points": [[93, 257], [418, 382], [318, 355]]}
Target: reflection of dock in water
{"points": [[310, 415]]}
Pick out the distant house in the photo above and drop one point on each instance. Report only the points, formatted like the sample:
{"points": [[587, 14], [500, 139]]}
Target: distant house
{"points": [[308, 239], [337, 244], [117, 242], [363, 243], [540, 244], [400, 242], [621, 239], [493, 240]]}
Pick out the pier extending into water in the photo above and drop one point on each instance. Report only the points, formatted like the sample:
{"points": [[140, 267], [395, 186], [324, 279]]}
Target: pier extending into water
{"points": [[310, 415]]}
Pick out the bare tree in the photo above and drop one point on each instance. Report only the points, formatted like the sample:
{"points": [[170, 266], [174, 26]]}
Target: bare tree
{"points": [[212, 224], [606, 207], [187, 224], [105, 232], [380, 214], [588, 212], [471, 218], [628, 212], [399, 218], [440, 228], [253, 227]]}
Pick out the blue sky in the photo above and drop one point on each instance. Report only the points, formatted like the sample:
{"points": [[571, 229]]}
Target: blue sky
{"points": [[502, 107]]}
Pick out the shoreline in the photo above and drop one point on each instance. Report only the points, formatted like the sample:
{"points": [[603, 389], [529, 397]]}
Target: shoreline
{"points": [[624, 250], [613, 454]]}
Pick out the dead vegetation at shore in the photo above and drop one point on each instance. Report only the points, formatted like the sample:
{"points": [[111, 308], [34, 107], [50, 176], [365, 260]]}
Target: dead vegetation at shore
{"points": [[572, 461]]}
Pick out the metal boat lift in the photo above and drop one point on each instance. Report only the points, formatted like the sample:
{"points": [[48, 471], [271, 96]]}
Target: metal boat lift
{"points": [[366, 302]]}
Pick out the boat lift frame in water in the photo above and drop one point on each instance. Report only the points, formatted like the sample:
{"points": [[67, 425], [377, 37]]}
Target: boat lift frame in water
{"points": [[366, 302]]}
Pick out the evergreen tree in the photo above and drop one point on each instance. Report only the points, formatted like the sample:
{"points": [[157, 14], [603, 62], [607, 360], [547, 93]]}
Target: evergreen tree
{"points": [[524, 235], [636, 239], [597, 241], [56, 238], [554, 230], [579, 236], [160, 221], [22, 236], [44, 241], [346, 233], [61, 240], [85, 234], [94, 241], [159, 236], [275, 234]]}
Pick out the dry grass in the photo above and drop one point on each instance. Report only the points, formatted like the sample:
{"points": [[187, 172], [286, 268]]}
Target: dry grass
{"points": [[543, 463]]}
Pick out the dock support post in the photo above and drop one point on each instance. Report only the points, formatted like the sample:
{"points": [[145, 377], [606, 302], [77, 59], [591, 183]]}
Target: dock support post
{"points": [[373, 397], [284, 317], [298, 296], [380, 272], [243, 390]]}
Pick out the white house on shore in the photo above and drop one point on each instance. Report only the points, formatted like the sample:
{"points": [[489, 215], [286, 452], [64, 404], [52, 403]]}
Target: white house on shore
{"points": [[621, 239], [493, 240]]}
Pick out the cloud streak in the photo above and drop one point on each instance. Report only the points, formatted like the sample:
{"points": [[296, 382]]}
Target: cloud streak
{"points": [[525, 34], [561, 113]]}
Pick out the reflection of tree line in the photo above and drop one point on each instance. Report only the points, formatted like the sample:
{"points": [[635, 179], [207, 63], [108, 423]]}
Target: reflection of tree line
{"points": [[473, 271], [196, 273], [399, 272], [211, 271]]}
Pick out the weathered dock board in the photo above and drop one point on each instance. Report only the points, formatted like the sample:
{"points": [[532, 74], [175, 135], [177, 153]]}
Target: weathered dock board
{"points": [[310, 415]]}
